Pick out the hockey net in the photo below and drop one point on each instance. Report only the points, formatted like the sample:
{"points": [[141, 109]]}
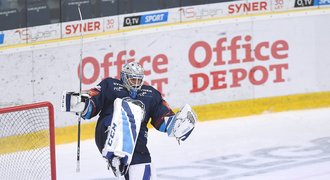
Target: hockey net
{"points": [[27, 142]]}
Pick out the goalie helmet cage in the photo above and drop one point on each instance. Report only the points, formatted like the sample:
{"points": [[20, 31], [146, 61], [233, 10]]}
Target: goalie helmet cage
{"points": [[27, 142]]}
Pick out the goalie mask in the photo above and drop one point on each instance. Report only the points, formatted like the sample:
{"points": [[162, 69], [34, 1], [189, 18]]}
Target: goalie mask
{"points": [[132, 76]]}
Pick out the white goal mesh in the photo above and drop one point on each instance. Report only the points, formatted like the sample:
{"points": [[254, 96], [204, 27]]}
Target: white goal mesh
{"points": [[27, 142]]}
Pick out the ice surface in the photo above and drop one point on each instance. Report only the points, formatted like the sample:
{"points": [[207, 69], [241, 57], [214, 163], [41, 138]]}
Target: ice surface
{"points": [[289, 145]]}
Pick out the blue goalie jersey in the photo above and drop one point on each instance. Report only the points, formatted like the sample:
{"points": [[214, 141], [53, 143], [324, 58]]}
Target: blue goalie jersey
{"points": [[101, 103]]}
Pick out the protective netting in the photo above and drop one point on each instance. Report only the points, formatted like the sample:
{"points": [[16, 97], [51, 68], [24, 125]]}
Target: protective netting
{"points": [[25, 143]]}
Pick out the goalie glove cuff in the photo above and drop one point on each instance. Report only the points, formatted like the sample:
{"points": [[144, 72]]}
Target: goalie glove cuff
{"points": [[88, 109], [170, 121]]}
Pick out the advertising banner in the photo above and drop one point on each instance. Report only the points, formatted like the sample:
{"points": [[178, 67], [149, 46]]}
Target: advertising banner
{"points": [[248, 7], [223, 9], [31, 34], [110, 23], [153, 19], [86, 26], [303, 3], [207, 11], [41, 33], [196, 64], [322, 3], [149, 18], [2, 36], [11, 37], [283, 5]]}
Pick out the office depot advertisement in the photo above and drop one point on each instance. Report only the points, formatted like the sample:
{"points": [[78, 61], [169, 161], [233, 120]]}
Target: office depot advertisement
{"points": [[196, 64]]}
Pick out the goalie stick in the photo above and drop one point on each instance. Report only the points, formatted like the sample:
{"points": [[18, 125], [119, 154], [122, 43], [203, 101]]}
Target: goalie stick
{"points": [[80, 88]]}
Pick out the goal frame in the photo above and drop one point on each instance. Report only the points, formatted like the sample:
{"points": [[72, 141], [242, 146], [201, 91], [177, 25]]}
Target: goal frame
{"points": [[51, 127]]}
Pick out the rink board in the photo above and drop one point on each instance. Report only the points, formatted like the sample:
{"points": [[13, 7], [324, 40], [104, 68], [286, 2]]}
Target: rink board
{"points": [[206, 64]]}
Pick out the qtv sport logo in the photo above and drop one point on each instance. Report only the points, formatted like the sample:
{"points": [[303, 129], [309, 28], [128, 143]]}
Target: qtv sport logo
{"points": [[146, 19], [154, 18], [304, 3], [322, 2]]}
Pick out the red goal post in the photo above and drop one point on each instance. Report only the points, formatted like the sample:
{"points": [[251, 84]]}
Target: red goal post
{"points": [[27, 141]]}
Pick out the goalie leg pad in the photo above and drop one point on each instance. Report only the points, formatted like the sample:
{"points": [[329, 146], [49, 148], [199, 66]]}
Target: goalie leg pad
{"points": [[123, 131]]}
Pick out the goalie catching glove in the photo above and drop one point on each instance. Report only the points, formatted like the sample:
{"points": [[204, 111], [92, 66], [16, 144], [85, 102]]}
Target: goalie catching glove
{"points": [[181, 124]]}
